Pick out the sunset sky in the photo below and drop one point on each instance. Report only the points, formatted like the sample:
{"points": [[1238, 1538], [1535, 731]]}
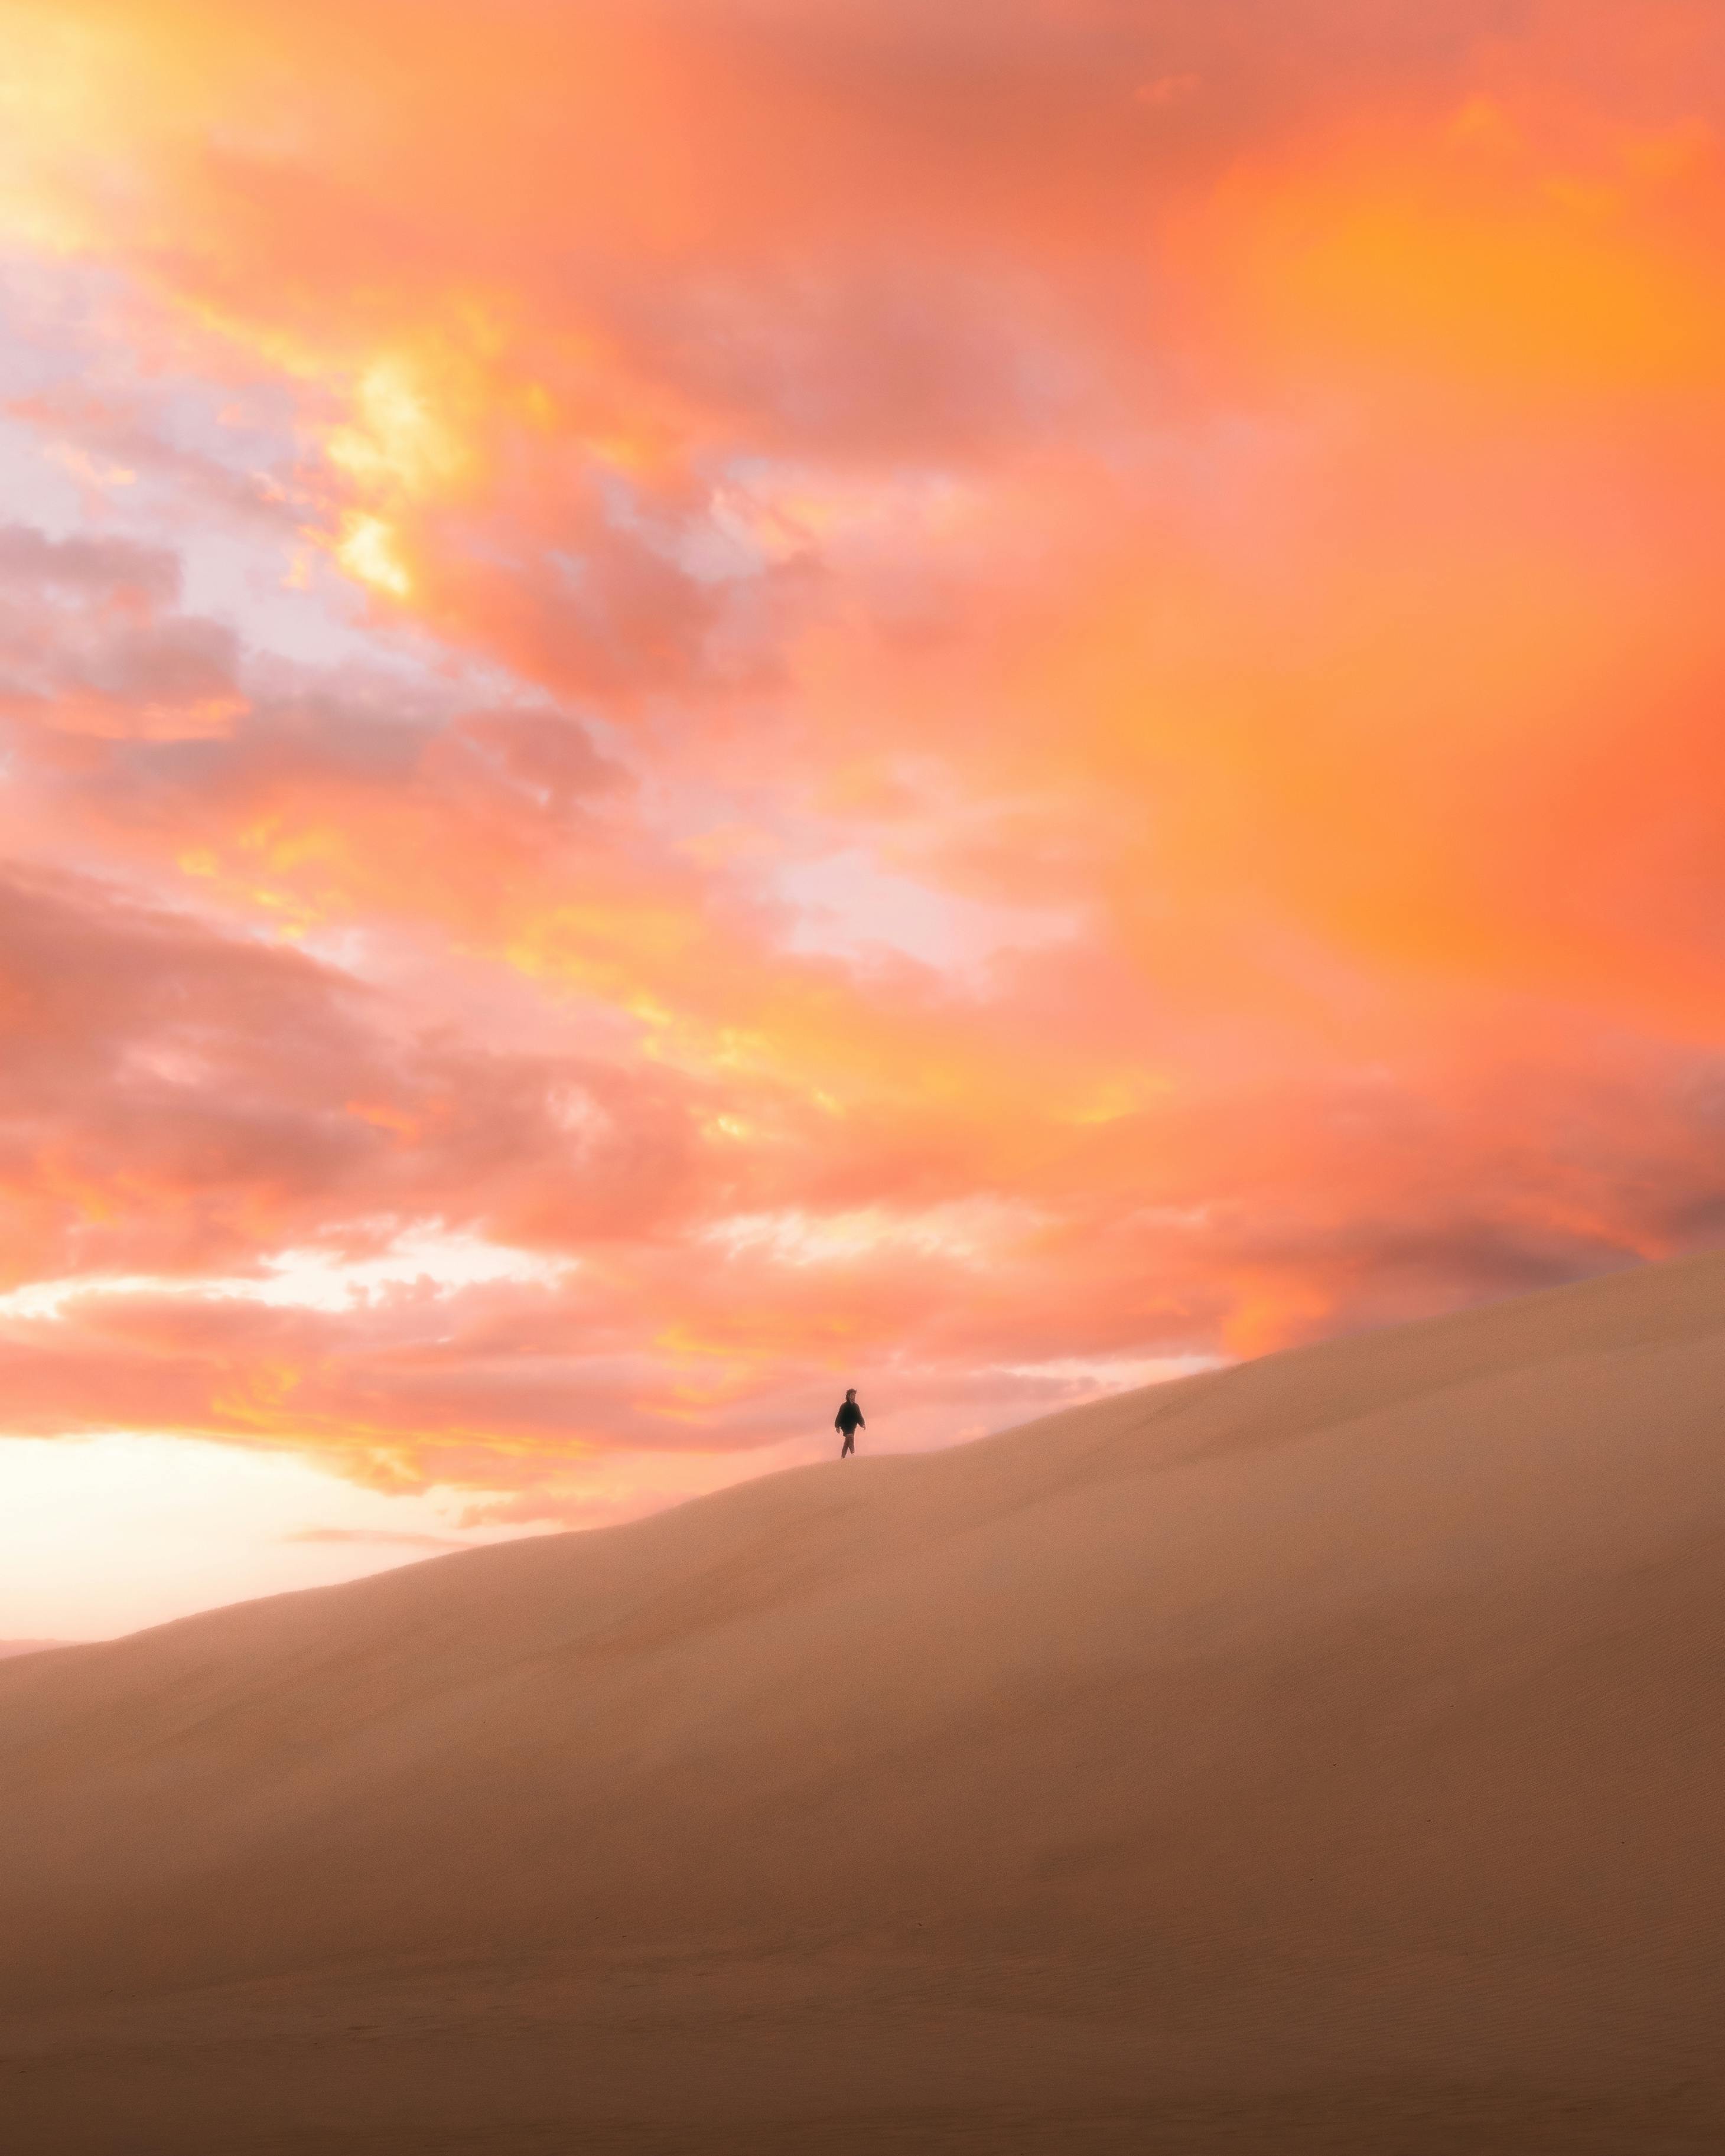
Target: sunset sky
{"points": [[703, 702]]}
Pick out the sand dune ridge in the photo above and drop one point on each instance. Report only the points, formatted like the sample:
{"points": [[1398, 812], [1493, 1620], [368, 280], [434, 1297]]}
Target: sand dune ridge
{"points": [[1328, 1746]]}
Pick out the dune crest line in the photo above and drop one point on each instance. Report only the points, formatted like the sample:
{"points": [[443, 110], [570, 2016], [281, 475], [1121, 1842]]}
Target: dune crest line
{"points": [[1322, 1753]]}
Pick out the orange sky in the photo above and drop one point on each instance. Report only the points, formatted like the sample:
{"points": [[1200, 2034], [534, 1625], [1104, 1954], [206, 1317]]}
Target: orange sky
{"points": [[702, 701]]}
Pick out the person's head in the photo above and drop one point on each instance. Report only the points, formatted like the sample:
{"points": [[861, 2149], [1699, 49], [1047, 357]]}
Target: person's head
{"points": [[850, 1393]]}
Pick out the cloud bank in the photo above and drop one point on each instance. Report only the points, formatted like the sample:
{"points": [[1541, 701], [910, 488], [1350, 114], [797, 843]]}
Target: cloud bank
{"points": [[706, 702]]}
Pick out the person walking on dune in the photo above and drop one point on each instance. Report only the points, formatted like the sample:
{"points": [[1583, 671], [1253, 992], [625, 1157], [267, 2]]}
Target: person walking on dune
{"points": [[847, 1421]]}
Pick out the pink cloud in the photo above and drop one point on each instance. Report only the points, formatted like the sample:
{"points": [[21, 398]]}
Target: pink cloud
{"points": [[1242, 487]]}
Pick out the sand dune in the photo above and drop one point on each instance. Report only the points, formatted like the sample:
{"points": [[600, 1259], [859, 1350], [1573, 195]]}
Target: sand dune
{"points": [[8, 1648], [1324, 1754]]}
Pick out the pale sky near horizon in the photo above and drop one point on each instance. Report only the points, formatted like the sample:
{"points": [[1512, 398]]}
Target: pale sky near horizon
{"points": [[707, 701]]}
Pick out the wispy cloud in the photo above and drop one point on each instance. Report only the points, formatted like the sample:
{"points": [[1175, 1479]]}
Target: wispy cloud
{"points": [[380, 1538]]}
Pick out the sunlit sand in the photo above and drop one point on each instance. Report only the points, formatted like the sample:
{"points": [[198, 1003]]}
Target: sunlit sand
{"points": [[1323, 1754]]}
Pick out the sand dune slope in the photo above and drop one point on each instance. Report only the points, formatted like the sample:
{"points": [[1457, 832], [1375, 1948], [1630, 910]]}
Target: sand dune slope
{"points": [[1326, 1754]]}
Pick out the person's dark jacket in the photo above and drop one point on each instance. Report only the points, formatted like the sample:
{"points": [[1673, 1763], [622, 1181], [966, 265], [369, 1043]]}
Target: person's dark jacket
{"points": [[849, 1418]]}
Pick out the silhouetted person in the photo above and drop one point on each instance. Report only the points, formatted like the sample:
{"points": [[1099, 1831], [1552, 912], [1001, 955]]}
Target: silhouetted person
{"points": [[847, 1421]]}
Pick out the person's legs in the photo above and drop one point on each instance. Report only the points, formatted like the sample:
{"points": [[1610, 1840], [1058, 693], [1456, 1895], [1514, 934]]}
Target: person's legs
{"points": [[849, 1445]]}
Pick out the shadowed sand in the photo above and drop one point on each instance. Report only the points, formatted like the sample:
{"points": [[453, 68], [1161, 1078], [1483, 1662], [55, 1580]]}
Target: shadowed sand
{"points": [[1324, 1754]]}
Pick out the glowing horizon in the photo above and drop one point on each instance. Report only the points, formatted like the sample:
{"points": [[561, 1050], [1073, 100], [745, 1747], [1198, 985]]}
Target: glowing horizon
{"points": [[706, 702]]}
